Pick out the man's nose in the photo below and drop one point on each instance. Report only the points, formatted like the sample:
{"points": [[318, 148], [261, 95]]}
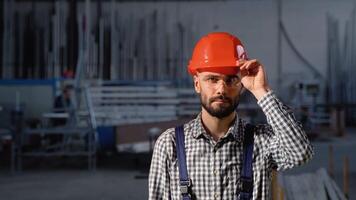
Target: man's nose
{"points": [[221, 87]]}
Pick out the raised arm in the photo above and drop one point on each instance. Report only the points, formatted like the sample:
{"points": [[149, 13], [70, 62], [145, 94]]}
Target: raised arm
{"points": [[283, 139]]}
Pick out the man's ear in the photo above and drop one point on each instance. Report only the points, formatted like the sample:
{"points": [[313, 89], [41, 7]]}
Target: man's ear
{"points": [[196, 84]]}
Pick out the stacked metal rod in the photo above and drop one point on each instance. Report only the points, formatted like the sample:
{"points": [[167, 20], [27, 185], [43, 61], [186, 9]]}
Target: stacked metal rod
{"points": [[342, 65], [44, 39], [8, 57]]}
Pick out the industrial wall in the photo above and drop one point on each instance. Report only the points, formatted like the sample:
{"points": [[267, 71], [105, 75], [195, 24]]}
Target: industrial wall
{"points": [[153, 41]]}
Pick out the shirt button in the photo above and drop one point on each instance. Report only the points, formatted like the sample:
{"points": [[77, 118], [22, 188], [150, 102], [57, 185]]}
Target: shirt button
{"points": [[216, 196], [215, 172]]}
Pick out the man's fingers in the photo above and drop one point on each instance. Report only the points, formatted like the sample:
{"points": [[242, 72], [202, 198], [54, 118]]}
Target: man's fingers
{"points": [[244, 73], [245, 64], [249, 64]]}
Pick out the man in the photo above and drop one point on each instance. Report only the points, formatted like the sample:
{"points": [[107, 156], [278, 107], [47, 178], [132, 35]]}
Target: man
{"points": [[62, 103], [214, 140]]}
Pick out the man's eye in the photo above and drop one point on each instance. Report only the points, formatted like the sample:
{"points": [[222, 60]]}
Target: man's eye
{"points": [[232, 80], [229, 80], [213, 79]]}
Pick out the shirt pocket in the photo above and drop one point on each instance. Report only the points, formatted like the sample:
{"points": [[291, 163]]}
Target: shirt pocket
{"points": [[230, 173]]}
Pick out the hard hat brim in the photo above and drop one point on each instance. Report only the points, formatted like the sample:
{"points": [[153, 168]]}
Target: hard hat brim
{"points": [[228, 70]]}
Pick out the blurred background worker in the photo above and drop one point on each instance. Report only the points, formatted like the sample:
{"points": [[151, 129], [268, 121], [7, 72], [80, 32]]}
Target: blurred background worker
{"points": [[62, 104], [218, 155]]}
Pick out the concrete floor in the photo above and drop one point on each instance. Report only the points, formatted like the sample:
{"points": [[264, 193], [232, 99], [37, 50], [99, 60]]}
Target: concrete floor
{"points": [[72, 184], [117, 179], [123, 177]]}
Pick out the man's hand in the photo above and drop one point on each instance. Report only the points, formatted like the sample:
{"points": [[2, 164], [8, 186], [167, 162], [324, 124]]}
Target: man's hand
{"points": [[253, 77]]}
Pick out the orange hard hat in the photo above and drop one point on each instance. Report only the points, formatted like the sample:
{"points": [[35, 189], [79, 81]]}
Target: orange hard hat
{"points": [[217, 52]]}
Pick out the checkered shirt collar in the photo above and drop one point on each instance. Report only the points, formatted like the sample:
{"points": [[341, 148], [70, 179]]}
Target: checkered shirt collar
{"points": [[233, 131]]}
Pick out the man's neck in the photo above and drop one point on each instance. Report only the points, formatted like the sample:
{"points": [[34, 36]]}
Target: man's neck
{"points": [[216, 127]]}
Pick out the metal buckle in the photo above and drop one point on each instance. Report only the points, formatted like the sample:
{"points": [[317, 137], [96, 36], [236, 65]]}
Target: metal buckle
{"points": [[184, 187]]}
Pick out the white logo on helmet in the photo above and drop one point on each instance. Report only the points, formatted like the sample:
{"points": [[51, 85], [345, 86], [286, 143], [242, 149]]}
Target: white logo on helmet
{"points": [[241, 52]]}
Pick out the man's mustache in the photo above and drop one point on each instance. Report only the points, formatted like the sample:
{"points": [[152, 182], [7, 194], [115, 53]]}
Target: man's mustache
{"points": [[220, 97]]}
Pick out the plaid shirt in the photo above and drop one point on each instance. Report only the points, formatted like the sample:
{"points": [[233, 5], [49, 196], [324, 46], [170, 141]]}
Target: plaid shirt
{"points": [[214, 167]]}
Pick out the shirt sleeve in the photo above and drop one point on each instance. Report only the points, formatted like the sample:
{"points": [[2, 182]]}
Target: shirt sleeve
{"points": [[283, 140], [158, 179]]}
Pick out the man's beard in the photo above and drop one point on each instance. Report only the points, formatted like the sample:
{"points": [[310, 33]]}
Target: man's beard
{"points": [[223, 110]]}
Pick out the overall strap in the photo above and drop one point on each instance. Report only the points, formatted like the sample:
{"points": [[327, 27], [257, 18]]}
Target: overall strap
{"points": [[184, 180], [246, 173]]}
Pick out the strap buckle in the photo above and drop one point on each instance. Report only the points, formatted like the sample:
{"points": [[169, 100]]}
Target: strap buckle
{"points": [[184, 186]]}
